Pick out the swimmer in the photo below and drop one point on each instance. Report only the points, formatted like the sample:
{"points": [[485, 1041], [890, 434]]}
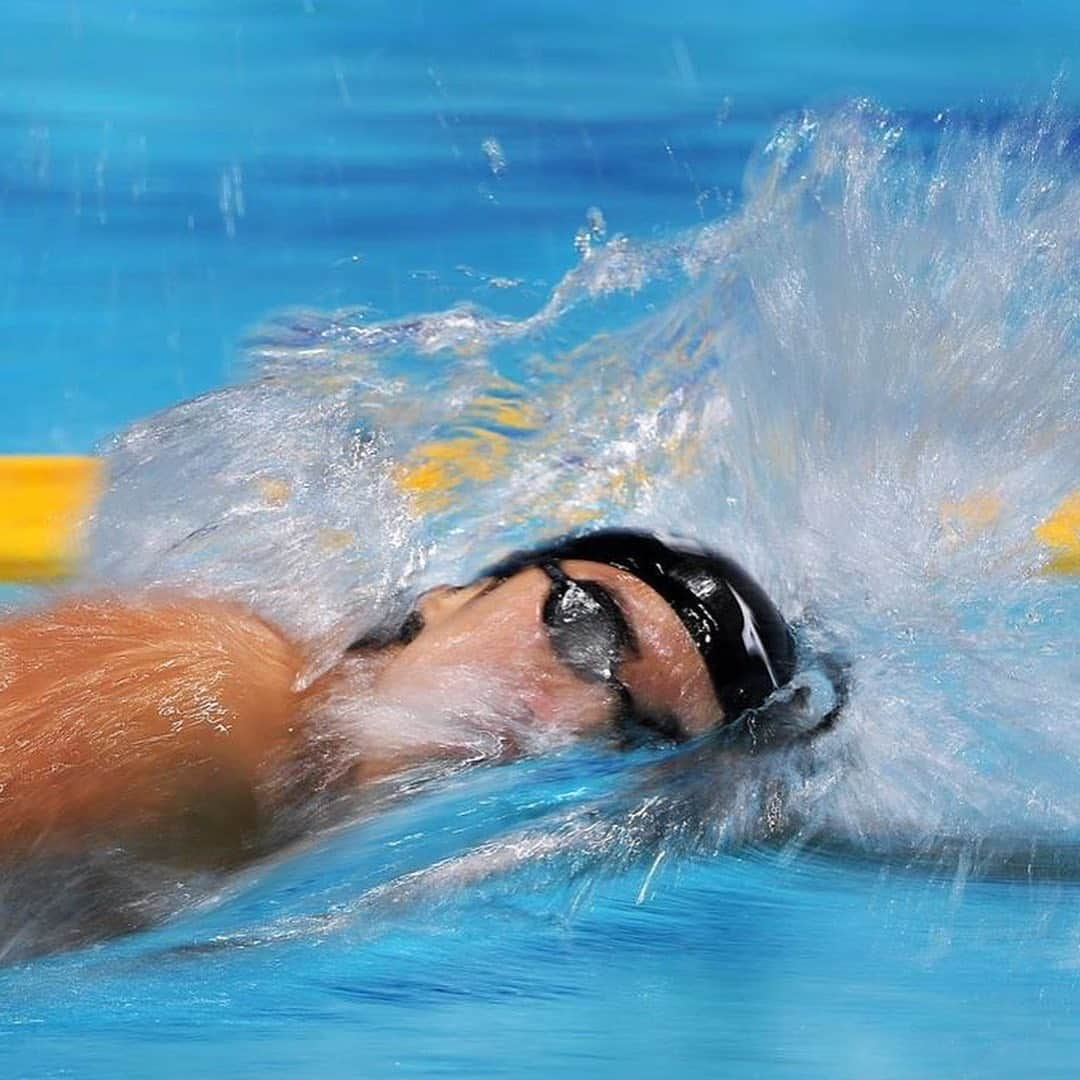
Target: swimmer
{"points": [[180, 729]]}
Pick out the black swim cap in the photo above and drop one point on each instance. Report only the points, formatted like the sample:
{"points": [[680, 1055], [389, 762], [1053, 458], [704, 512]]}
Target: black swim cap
{"points": [[747, 647]]}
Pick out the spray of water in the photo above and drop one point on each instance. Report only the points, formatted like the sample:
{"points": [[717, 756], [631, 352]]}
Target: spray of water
{"points": [[863, 385]]}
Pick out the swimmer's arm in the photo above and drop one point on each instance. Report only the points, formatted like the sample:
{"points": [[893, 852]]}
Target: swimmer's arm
{"points": [[155, 723]]}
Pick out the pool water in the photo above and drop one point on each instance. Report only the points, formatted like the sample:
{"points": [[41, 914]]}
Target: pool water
{"points": [[797, 278]]}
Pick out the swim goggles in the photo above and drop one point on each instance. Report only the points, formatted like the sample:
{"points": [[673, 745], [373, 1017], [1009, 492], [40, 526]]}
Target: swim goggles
{"points": [[590, 636]]}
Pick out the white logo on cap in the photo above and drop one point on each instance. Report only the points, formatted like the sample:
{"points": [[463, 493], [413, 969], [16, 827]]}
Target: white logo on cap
{"points": [[750, 639]]}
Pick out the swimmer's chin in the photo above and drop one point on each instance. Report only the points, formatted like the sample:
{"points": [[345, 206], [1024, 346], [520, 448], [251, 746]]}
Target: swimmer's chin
{"points": [[382, 726]]}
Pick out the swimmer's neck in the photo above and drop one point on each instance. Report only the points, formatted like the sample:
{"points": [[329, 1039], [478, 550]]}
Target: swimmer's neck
{"points": [[181, 727]]}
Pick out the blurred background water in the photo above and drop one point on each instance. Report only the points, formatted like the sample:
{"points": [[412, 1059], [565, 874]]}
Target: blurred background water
{"points": [[172, 172], [174, 175]]}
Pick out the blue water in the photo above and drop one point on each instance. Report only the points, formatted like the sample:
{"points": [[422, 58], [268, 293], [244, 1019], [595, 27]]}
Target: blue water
{"points": [[172, 176]]}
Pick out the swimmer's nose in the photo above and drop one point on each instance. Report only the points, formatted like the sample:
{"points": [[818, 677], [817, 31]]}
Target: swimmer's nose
{"points": [[440, 603]]}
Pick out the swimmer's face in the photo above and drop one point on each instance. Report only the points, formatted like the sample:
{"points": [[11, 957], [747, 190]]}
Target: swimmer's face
{"points": [[499, 633]]}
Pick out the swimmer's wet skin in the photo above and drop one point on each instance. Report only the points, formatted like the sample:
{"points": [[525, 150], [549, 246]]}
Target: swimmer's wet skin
{"points": [[174, 727]]}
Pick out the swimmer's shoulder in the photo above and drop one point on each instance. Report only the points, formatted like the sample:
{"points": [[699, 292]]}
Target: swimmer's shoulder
{"points": [[148, 715], [168, 635]]}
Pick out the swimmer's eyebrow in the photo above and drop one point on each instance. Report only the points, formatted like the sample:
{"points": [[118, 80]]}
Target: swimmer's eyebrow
{"points": [[615, 592], [491, 586]]}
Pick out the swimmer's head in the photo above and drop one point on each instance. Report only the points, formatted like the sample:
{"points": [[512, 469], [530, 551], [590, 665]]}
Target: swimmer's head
{"points": [[744, 642], [610, 631]]}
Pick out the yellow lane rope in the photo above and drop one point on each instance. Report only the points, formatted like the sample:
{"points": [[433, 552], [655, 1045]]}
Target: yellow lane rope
{"points": [[1060, 532], [44, 499]]}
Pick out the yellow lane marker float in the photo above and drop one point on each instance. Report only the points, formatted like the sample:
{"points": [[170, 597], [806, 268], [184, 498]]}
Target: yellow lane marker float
{"points": [[44, 499], [474, 448], [1060, 532]]}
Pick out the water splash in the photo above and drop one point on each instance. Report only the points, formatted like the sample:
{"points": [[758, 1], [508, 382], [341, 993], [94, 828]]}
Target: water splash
{"points": [[863, 383]]}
